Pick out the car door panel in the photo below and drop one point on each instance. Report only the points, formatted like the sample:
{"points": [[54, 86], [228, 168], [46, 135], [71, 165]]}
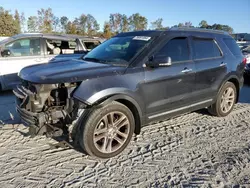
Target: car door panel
{"points": [[208, 70], [167, 89]]}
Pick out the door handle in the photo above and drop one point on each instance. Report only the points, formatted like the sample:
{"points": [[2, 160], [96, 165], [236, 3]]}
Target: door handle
{"points": [[223, 64], [186, 70]]}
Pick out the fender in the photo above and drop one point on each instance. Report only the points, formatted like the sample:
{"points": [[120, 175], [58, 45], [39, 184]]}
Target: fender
{"points": [[98, 90], [126, 97], [105, 96]]}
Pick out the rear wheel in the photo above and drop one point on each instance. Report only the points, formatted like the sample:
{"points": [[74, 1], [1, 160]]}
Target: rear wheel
{"points": [[107, 131], [225, 101]]}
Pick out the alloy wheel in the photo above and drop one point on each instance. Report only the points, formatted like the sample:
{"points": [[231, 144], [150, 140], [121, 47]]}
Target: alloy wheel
{"points": [[111, 132], [227, 100]]}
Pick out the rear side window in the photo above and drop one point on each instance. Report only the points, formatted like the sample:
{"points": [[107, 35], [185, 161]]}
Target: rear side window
{"points": [[232, 45], [176, 48], [205, 48]]}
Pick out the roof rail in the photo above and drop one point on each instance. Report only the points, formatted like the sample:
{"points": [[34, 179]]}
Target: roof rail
{"points": [[198, 30]]}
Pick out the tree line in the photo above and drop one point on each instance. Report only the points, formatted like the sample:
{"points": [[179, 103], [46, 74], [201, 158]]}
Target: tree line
{"points": [[47, 22]]}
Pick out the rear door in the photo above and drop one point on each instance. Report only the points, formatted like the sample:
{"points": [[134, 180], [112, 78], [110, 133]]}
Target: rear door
{"points": [[167, 90], [210, 65], [23, 52]]}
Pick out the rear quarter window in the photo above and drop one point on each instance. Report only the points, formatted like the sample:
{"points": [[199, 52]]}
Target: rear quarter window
{"points": [[205, 48], [232, 46]]}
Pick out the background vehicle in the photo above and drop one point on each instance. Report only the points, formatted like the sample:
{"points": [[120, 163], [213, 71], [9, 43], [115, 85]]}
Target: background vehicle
{"points": [[3, 38], [129, 81], [23, 50], [245, 48]]}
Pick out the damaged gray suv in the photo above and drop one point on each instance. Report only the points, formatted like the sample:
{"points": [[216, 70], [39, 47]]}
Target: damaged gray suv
{"points": [[130, 81]]}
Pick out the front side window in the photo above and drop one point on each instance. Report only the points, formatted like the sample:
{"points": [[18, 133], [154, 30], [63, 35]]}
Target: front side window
{"points": [[205, 48], [24, 47], [177, 49], [118, 50]]}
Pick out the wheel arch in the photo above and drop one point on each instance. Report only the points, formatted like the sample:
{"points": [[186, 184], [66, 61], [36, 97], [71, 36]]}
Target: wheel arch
{"points": [[235, 80], [237, 85], [129, 102]]}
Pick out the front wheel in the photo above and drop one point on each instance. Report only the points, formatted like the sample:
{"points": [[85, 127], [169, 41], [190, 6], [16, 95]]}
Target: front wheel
{"points": [[225, 100], [106, 131]]}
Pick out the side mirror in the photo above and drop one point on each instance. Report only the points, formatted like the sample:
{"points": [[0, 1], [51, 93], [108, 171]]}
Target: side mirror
{"points": [[5, 53], [159, 61]]}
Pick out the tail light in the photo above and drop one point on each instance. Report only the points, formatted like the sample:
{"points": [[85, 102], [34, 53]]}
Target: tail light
{"points": [[244, 61]]}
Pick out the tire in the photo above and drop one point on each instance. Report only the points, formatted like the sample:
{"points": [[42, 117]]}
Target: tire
{"points": [[218, 108], [106, 131]]}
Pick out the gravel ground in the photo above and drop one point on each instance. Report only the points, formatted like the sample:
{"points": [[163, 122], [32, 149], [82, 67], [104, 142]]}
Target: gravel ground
{"points": [[194, 150]]}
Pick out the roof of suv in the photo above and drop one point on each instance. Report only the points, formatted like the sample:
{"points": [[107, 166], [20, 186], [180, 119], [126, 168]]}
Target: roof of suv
{"points": [[54, 36], [153, 33]]}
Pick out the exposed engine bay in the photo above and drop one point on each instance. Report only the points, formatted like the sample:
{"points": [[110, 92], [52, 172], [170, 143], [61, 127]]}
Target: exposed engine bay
{"points": [[48, 109]]}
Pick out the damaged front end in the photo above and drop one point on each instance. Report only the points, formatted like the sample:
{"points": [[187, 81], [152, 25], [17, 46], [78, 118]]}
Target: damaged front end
{"points": [[48, 109]]}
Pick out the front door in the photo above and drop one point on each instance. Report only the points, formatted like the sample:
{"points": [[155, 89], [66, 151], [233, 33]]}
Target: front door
{"points": [[167, 90]]}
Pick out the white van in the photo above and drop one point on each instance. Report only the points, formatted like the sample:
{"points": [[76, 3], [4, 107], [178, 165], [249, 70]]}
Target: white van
{"points": [[28, 49]]}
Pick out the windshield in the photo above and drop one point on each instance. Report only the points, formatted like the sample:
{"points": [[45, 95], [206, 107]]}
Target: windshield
{"points": [[118, 50]]}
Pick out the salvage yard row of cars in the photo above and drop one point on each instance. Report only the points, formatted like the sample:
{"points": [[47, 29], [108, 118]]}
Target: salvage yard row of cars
{"points": [[24, 50], [245, 48], [131, 80]]}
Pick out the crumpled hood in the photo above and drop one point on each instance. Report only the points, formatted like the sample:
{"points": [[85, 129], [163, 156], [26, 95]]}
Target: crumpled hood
{"points": [[67, 71]]}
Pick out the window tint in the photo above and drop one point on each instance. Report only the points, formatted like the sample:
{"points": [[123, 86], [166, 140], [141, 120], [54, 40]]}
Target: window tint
{"points": [[24, 47], [205, 48], [56, 47], [176, 48], [232, 45]]}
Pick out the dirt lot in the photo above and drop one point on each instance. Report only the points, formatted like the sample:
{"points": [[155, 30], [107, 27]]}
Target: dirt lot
{"points": [[194, 150]]}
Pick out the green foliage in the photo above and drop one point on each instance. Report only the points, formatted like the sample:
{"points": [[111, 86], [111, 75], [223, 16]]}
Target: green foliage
{"points": [[227, 28], [157, 24], [22, 22], [203, 24], [71, 28], [186, 24], [17, 19], [137, 22], [56, 24], [86, 24], [8, 24], [64, 22], [32, 24], [125, 23], [92, 25], [107, 30], [45, 20]]}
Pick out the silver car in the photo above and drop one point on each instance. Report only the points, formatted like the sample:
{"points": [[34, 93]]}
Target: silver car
{"points": [[24, 50]]}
